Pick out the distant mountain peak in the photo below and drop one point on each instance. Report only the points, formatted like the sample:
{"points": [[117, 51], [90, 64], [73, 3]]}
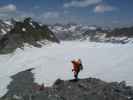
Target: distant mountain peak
{"points": [[26, 31]]}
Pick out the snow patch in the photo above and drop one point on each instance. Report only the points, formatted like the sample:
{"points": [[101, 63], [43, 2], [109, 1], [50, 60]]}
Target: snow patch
{"points": [[8, 29], [23, 29], [3, 31], [92, 28], [8, 22], [32, 25]]}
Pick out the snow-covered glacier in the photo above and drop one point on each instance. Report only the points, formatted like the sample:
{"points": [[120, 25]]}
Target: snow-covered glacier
{"points": [[110, 62]]}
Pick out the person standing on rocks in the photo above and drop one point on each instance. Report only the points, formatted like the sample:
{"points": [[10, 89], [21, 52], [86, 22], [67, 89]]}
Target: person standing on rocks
{"points": [[77, 67]]}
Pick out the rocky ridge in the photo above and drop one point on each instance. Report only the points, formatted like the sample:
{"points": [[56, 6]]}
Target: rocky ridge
{"points": [[22, 88]]}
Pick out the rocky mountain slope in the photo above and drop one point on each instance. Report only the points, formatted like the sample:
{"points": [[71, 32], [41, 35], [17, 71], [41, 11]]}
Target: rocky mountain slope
{"points": [[93, 33], [23, 87], [117, 35], [73, 31], [69, 31], [26, 31], [5, 26]]}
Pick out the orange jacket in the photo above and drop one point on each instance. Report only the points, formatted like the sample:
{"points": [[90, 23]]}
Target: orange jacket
{"points": [[76, 66]]}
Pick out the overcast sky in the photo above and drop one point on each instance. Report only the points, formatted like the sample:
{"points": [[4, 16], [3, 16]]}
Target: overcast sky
{"points": [[92, 12]]}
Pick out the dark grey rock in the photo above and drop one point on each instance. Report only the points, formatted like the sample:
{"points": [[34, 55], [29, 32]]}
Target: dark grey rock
{"points": [[22, 87]]}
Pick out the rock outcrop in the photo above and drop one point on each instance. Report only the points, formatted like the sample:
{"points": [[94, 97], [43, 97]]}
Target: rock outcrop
{"points": [[23, 86]]}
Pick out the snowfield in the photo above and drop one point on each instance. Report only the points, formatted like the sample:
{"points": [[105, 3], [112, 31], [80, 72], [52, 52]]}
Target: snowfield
{"points": [[109, 62]]}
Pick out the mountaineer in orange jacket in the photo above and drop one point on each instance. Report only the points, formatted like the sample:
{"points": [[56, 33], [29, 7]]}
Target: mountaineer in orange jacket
{"points": [[77, 67]]}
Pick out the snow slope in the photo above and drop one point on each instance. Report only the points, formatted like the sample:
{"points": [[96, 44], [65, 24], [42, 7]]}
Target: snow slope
{"points": [[110, 62]]}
